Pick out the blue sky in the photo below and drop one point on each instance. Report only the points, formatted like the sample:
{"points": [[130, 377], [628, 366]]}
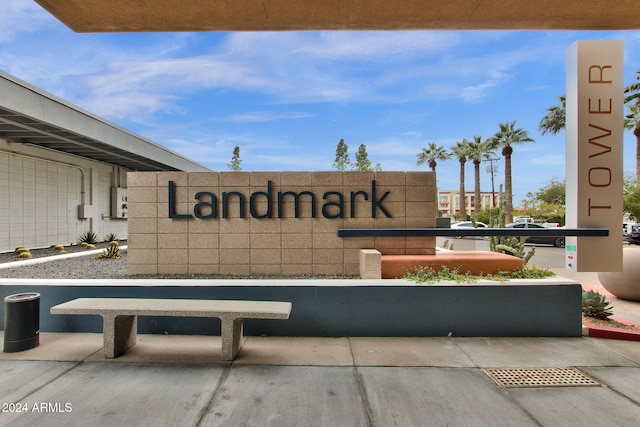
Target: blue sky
{"points": [[286, 99]]}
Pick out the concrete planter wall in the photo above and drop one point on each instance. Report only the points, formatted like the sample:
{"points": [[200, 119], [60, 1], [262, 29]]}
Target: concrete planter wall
{"points": [[625, 284], [332, 308]]}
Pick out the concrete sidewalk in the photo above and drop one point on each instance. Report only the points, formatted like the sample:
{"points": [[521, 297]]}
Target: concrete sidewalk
{"points": [[180, 381]]}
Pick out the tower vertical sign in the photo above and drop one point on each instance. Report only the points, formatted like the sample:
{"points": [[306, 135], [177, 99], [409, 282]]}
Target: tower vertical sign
{"points": [[594, 127]]}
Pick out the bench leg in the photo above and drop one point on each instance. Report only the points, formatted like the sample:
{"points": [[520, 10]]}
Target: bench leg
{"points": [[231, 335], [119, 333]]}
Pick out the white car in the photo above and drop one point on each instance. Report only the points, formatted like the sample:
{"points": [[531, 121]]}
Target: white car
{"points": [[468, 224]]}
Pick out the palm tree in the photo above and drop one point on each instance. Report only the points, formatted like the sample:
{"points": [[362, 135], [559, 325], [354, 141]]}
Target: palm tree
{"points": [[632, 120], [554, 121], [460, 151], [478, 151], [507, 136], [431, 154]]}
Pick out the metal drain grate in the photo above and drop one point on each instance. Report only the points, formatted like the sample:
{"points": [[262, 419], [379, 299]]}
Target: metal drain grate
{"points": [[541, 377]]}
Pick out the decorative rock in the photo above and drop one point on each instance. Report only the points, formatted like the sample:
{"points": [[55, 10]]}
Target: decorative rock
{"points": [[625, 284]]}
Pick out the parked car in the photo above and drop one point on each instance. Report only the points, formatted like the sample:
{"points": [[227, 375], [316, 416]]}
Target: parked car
{"points": [[468, 224], [557, 241], [634, 235]]}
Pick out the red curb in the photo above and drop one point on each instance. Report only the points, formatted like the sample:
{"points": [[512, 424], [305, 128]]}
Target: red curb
{"points": [[614, 333]]}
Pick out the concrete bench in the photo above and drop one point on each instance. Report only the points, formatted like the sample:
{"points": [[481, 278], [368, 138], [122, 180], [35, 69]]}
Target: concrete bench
{"points": [[120, 317]]}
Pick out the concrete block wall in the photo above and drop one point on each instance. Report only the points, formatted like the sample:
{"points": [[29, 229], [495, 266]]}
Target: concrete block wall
{"points": [[288, 245]]}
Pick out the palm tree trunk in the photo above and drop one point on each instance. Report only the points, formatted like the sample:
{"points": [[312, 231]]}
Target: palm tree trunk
{"points": [[476, 173], [463, 196], [508, 192], [636, 132]]}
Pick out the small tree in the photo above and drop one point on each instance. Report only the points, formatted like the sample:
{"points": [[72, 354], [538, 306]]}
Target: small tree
{"points": [[342, 157], [362, 160], [631, 201], [235, 160]]}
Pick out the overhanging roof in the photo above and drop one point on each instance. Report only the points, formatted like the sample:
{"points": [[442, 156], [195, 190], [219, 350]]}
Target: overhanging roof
{"points": [[275, 15], [31, 116]]}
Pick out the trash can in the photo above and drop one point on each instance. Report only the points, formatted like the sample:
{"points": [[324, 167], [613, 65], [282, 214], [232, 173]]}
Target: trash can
{"points": [[21, 322]]}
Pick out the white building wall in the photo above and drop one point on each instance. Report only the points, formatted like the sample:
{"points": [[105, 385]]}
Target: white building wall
{"points": [[40, 192]]}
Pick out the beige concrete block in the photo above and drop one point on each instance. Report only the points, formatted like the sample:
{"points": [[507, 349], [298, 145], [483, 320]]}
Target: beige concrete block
{"points": [[258, 180], [267, 269], [390, 242], [421, 179], [297, 225], [263, 241], [395, 222], [235, 256], [142, 225], [361, 179], [203, 179], [366, 222], [327, 240], [420, 243], [324, 179], [204, 226], [142, 210], [235, 241], [418, 209], [141, 195], [370, 260], [142, 256], [361, 210], [141, 179], [234, 226], [235, 269], [142, 241], [297, 269], [173, 257], [328, 269], [203, 241], [420, 194], [421, 222], [358, 242], [290, 180], [204, 269], [297, 256], [180, 179], [204, 256], [133, 269], [173, 226], [328, 225], [266, 256], [328, 256], [297, 241], [391, 178], [173, 241], [173, 269], [234, 179], [265, 226], [352, 270]]}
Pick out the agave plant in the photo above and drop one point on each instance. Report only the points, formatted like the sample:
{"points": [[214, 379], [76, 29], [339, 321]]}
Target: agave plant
{"points": [[89, 237], [594, 304]]}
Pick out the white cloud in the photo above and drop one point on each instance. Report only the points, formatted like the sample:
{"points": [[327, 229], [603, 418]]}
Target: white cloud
{"points": [[22, 16]]}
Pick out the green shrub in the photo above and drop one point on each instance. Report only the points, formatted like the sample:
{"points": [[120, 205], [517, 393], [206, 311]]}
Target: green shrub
{"points": [[25, 254], [424, 274]]}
